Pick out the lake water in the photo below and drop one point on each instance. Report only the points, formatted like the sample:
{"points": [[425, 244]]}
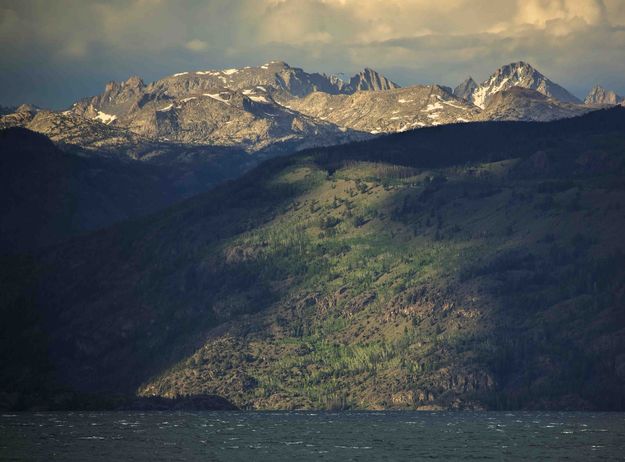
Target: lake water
{"points": [[302, 436]]}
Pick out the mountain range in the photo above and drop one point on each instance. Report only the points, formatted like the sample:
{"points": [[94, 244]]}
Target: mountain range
{"points": [[288, 240], [207, 126], [278, 108]]}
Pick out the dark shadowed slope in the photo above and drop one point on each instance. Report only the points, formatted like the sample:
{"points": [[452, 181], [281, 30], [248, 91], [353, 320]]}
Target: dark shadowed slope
{"points": [[49, 195], [478, 142], [475, 265]]}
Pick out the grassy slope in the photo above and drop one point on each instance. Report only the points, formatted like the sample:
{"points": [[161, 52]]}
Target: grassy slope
{"points": [[384, 274]]}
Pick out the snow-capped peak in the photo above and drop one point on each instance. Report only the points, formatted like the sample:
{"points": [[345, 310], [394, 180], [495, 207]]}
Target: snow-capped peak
{"points": [[518, 74]]}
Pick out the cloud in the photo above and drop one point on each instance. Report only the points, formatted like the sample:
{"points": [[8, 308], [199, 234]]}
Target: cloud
{"points": [[540, 12], [196, 45], [80, 45]]}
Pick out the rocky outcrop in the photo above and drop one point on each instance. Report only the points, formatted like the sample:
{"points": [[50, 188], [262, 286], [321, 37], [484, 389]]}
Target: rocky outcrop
{"points": [[250, 119]]}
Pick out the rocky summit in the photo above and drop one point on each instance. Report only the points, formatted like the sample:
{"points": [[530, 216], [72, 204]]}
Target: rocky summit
{"points": [[519, 74]]}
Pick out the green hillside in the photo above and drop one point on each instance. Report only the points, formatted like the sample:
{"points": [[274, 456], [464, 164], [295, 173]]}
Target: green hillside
{"points": [[469, 266]]}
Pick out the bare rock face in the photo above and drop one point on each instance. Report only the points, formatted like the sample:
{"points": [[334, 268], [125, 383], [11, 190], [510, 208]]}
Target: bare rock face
{"points": [[27, 108], [72, 129], [277, 76], [519, 74], [600, 96]]}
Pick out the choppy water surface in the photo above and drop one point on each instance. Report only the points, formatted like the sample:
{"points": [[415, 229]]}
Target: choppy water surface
{"points": [[300, 436]]}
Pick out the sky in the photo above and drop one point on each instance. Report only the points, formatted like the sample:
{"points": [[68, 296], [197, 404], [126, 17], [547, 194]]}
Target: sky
{"points": [[56, 51]]}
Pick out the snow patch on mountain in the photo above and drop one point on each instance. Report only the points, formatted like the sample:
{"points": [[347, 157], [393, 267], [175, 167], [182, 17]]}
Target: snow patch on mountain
{"points": [[217, 96], [105, 118], [259, 99], [433, 107]]}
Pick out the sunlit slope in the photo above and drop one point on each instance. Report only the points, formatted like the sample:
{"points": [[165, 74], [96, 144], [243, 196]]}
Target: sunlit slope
{"points": [[467, 286]]}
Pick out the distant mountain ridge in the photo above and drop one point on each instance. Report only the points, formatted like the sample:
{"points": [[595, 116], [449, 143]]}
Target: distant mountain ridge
{"points": [[275, 107], [202, 124], [134, 105], [390, 111], [123, 97]]}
